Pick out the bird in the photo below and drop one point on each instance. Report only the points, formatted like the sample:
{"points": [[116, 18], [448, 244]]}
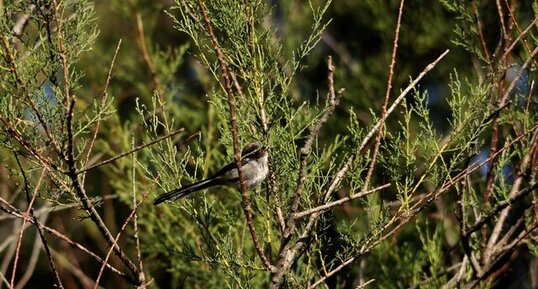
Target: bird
{"points": [[254, 158]]}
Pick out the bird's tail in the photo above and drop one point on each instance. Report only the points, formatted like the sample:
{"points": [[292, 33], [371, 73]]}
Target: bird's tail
{"points": [[186, 190]]}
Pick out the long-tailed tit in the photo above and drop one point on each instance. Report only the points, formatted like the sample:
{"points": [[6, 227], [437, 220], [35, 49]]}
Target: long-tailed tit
{"points": [[253, 166]]}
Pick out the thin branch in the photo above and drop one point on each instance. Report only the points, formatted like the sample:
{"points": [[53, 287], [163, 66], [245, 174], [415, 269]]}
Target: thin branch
{"points": [[38, 223], [362, 286], [499, 207], [5, 280], [518, 75], [14, 212], [386, 102], [343, 171], [307, 147], [31, 263], [28, 147], [140, 147], [102, 105], [228, 85], [290, 251], [338, 202], [70, 154], [29, 97], [416, 208], [141, 40], [519, 37], [133, 213], [481, 32], [142, 46], [70, 264], [332, 272], [21, 231], [142, 277]]}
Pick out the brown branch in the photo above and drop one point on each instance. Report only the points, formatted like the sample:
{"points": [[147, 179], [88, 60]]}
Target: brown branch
{"points": [[481, 32], [339, 176], [141, 40], [514, 22], [519, 37], [289, 251], [228, 85], [70, 264], [518, 75], [338, 202], [37, 223], [332, 272], [307, 147], [415, 209], [14, 212], [70, 158], [489, 273], [501, 20], [499, 207], [386, 102], [140, 147], [28, 147], [101, 106], [133, 213], [142, 46], [21, 231], [142, 276]]}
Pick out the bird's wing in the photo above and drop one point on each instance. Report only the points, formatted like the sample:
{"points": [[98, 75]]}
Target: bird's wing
{"points": [[231, 167]]}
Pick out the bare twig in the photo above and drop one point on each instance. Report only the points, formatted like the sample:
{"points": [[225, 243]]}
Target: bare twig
{"points": [[142, 278], [133, 213], [17, 214], [19, 241], [141, 41], [519, 37], [499, 207], [290, 251], [332, 272], [362, 286], [27, 146], [70, 265], [481, 31], [37, 222], [101, 106], [140, 147], [5, 280], [338, 202], [30, 266], [500, 222], [386, 102], [339, 176], [307, 147], [518, 76], [417, 207]]}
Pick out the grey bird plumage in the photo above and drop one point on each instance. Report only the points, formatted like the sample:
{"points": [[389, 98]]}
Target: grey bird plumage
{"points": [[253, 166]]}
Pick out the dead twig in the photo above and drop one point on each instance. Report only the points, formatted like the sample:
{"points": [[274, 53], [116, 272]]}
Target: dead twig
{"points": [[140, 147], [133, 213], [386, 101], [338, 202]]}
